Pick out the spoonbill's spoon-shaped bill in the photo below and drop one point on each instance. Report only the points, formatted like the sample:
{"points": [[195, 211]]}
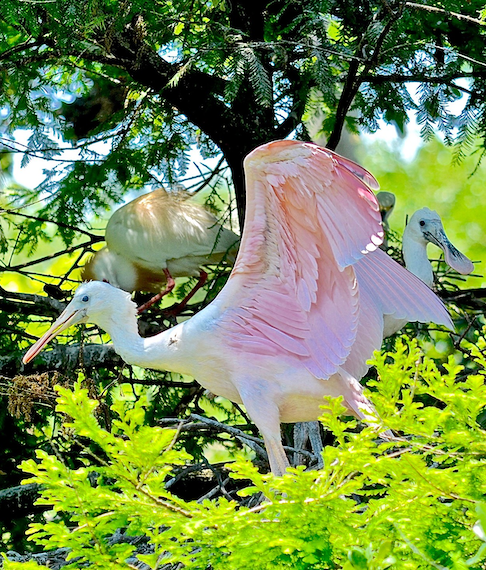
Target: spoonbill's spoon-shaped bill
{"points": [[299, 315], [72, 315]]}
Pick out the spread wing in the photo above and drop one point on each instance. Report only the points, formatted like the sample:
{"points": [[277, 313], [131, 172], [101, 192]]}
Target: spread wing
{"points": [[388, 289], [310, 216]]}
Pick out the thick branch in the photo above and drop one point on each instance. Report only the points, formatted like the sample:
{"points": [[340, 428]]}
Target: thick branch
{"points": [[354, 81], [63, 358], [16, 502], [29, 304]]}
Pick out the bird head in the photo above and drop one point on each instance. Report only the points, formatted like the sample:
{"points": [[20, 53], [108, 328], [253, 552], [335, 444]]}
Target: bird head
{"points": [[425, 226], [110, 267], [386, 200], [95, 302]]}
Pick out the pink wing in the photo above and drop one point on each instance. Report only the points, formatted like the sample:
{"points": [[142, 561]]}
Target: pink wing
{"points": [[400, 293], [310, 215], [387, 288]]}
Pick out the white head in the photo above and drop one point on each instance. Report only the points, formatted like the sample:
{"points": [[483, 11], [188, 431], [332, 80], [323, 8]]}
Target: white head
{"points": [[95, 302], [106, 265], [425, 226]]}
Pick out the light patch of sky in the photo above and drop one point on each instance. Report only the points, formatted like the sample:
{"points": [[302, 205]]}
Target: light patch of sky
{"points": [[32, 174], [409, 144]]}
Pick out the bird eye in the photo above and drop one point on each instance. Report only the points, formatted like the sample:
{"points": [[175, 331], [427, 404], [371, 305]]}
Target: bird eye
{"points": [[422, 223], [85, 299]]}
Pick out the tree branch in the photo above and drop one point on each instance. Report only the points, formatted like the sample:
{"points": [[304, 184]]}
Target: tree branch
{"points": [[27, 44], [93, 238], [63, 358], [403, 78], [354, 81], [29, 304], [16, 502], [428, 8]]}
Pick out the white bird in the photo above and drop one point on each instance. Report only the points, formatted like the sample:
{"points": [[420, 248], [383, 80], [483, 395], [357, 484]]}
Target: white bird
{"points": [[156, 237], [424, 227], [387, 201], [300, 313]]}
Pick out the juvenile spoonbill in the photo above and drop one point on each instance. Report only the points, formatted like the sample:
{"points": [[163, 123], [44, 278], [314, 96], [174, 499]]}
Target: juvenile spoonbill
{"points": [[424, 227]]}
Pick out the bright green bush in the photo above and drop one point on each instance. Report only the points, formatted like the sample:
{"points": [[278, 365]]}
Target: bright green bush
{"points": [[416, 501]]}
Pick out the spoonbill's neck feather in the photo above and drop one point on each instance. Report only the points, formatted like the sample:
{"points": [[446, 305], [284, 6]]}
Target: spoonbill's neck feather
{"points": [[117, 317], [416, 260], [163, 351]]}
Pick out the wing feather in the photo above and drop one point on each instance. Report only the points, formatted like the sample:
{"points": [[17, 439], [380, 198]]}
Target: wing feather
{"points": [[310, 216], [388, 290], [401, 294]]}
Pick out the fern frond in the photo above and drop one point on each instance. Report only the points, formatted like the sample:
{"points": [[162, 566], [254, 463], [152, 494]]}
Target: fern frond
{"points": [[259, 76]]}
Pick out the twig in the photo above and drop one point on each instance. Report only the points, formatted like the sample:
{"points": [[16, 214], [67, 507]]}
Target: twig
{"points": [[216, 170], [428, 8], [224, 427], [20, 47], [93, 237], [68, 250], [244, 436]]}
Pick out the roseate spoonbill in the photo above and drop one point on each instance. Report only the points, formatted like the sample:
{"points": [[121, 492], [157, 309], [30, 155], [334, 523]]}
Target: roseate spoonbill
{"points": [[300, 313], [156, 237]]}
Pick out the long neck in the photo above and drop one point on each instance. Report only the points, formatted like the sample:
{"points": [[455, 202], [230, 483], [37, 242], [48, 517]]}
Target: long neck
{"points": [[416, 260], [160, 352]]}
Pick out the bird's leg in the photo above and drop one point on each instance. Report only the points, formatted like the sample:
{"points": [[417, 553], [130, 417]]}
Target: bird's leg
{"points": [[265, 413], [301, 435], [276, 455], [203, 277], [314, 431], [170, 285]]}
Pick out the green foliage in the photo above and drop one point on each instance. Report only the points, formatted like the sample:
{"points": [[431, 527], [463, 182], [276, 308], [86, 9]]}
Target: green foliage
{"points": [[415, 500], [116, 95], [216, 72]]}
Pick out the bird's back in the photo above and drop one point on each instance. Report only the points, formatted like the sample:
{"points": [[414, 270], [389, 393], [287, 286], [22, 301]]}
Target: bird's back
{"points": [[163, 230]]}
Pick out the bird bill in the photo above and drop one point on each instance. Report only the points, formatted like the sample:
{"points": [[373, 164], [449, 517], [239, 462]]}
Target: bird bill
{"points": [[66, 319], [453, 256]]}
